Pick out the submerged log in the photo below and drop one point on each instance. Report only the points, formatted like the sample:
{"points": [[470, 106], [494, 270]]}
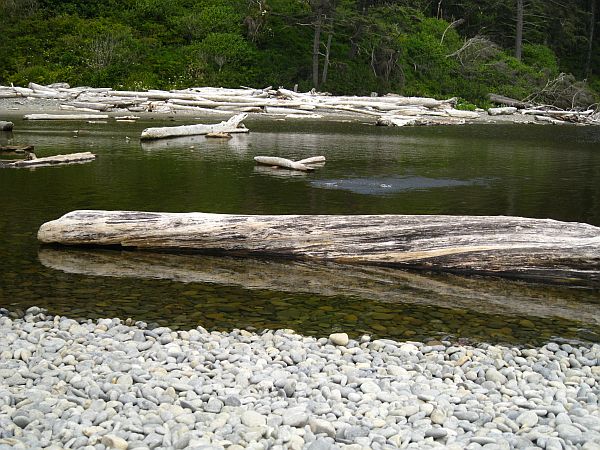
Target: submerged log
{"points": [[6, 126], [72, 158], [538, 249], [233, 125]]}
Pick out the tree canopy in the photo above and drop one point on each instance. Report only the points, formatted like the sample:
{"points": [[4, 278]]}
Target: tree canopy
{"points": [[465, 48]]}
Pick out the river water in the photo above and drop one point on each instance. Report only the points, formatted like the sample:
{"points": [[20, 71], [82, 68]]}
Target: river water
{"points": [[521, 170]]}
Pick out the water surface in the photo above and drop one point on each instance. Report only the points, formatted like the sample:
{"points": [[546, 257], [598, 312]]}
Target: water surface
{"points": [[531, 171]]}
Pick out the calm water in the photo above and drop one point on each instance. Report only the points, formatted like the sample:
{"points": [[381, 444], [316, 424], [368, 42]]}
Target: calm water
{"points": [[532, 171]]}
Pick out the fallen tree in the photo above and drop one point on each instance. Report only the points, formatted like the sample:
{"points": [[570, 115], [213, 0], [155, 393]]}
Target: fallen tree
{"points": [[539, 249], [233, 125]]}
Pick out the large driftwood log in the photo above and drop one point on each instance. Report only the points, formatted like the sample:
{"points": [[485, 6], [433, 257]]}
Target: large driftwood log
{"points": [[381, 284], [233, 125], [540, 249], [66, 116], [72, 158]]}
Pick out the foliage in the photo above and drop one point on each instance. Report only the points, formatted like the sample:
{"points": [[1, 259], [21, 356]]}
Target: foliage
{"points": [[451, 48]]}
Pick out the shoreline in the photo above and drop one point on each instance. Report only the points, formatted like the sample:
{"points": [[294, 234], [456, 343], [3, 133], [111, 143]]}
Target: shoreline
{"points": [[114, 383], [16, 108]]}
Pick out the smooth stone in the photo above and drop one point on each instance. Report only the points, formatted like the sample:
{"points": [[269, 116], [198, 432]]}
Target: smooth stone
{"points": [[112, 441], [253, 419], [339, 339], [318, 426]]}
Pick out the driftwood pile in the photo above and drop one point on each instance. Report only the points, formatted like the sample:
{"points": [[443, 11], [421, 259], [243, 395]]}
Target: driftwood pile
{"points": [[387, 110], [543, 113]]}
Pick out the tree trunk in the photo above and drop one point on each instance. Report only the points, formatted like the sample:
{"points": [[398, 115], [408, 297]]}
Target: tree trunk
{"points": [[539, 249], [588, 62], [316, 45], [519, 31], [326, 62]]}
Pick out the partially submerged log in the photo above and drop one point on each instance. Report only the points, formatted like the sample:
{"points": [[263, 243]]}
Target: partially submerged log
{"points": [[6, 126], [381, 284], [233, 125], [73, 158], [282, 162], [16, 148], [538, 249], [65, 116]]}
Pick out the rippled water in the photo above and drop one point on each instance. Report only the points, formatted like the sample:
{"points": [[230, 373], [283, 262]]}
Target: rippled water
{"points": [[532, 171]]}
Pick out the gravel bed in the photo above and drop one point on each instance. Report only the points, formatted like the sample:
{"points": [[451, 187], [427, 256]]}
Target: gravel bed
{"points": [[118, 384]]}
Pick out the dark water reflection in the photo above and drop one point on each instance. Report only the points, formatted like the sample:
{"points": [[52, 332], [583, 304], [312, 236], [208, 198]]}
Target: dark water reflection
{"points": [[532, 171]]}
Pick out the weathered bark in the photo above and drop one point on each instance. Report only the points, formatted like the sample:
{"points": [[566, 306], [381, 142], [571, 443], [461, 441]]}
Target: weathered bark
{"points": [[72, 158], [66, 116], [282, 162], [381, 284], [6, 126], [539, 249], [233, 125]]}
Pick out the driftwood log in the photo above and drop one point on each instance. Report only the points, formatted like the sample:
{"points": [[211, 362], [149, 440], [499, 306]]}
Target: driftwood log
{"points": [[233, 125], [73, 158], [507, 101], [539, 249], [381, 284], [16, 148], [65, 116]]}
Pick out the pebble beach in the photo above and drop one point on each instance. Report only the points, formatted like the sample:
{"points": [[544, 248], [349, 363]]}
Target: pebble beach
{"points": [[113, 383]]}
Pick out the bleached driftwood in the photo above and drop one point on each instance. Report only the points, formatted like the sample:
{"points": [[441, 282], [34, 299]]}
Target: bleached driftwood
{"points": [[282, 162], [53, 160], [539, 249], [312, 160], [233, 125], [548, 119], [381, 284], [6, 126], [505, 111], [66, 116]]}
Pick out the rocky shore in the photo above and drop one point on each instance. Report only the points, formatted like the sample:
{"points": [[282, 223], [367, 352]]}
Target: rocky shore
{"points": [[119, 384]]}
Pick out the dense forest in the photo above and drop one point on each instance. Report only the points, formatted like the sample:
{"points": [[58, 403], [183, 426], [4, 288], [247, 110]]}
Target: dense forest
{"points": [[546, 50]]}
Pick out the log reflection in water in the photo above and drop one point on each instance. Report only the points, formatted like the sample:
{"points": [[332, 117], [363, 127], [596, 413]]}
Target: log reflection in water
{"points": [[487, 296]]}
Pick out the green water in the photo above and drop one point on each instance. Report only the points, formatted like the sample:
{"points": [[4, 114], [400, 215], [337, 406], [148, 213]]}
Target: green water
{"points": [[531, 171]]}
